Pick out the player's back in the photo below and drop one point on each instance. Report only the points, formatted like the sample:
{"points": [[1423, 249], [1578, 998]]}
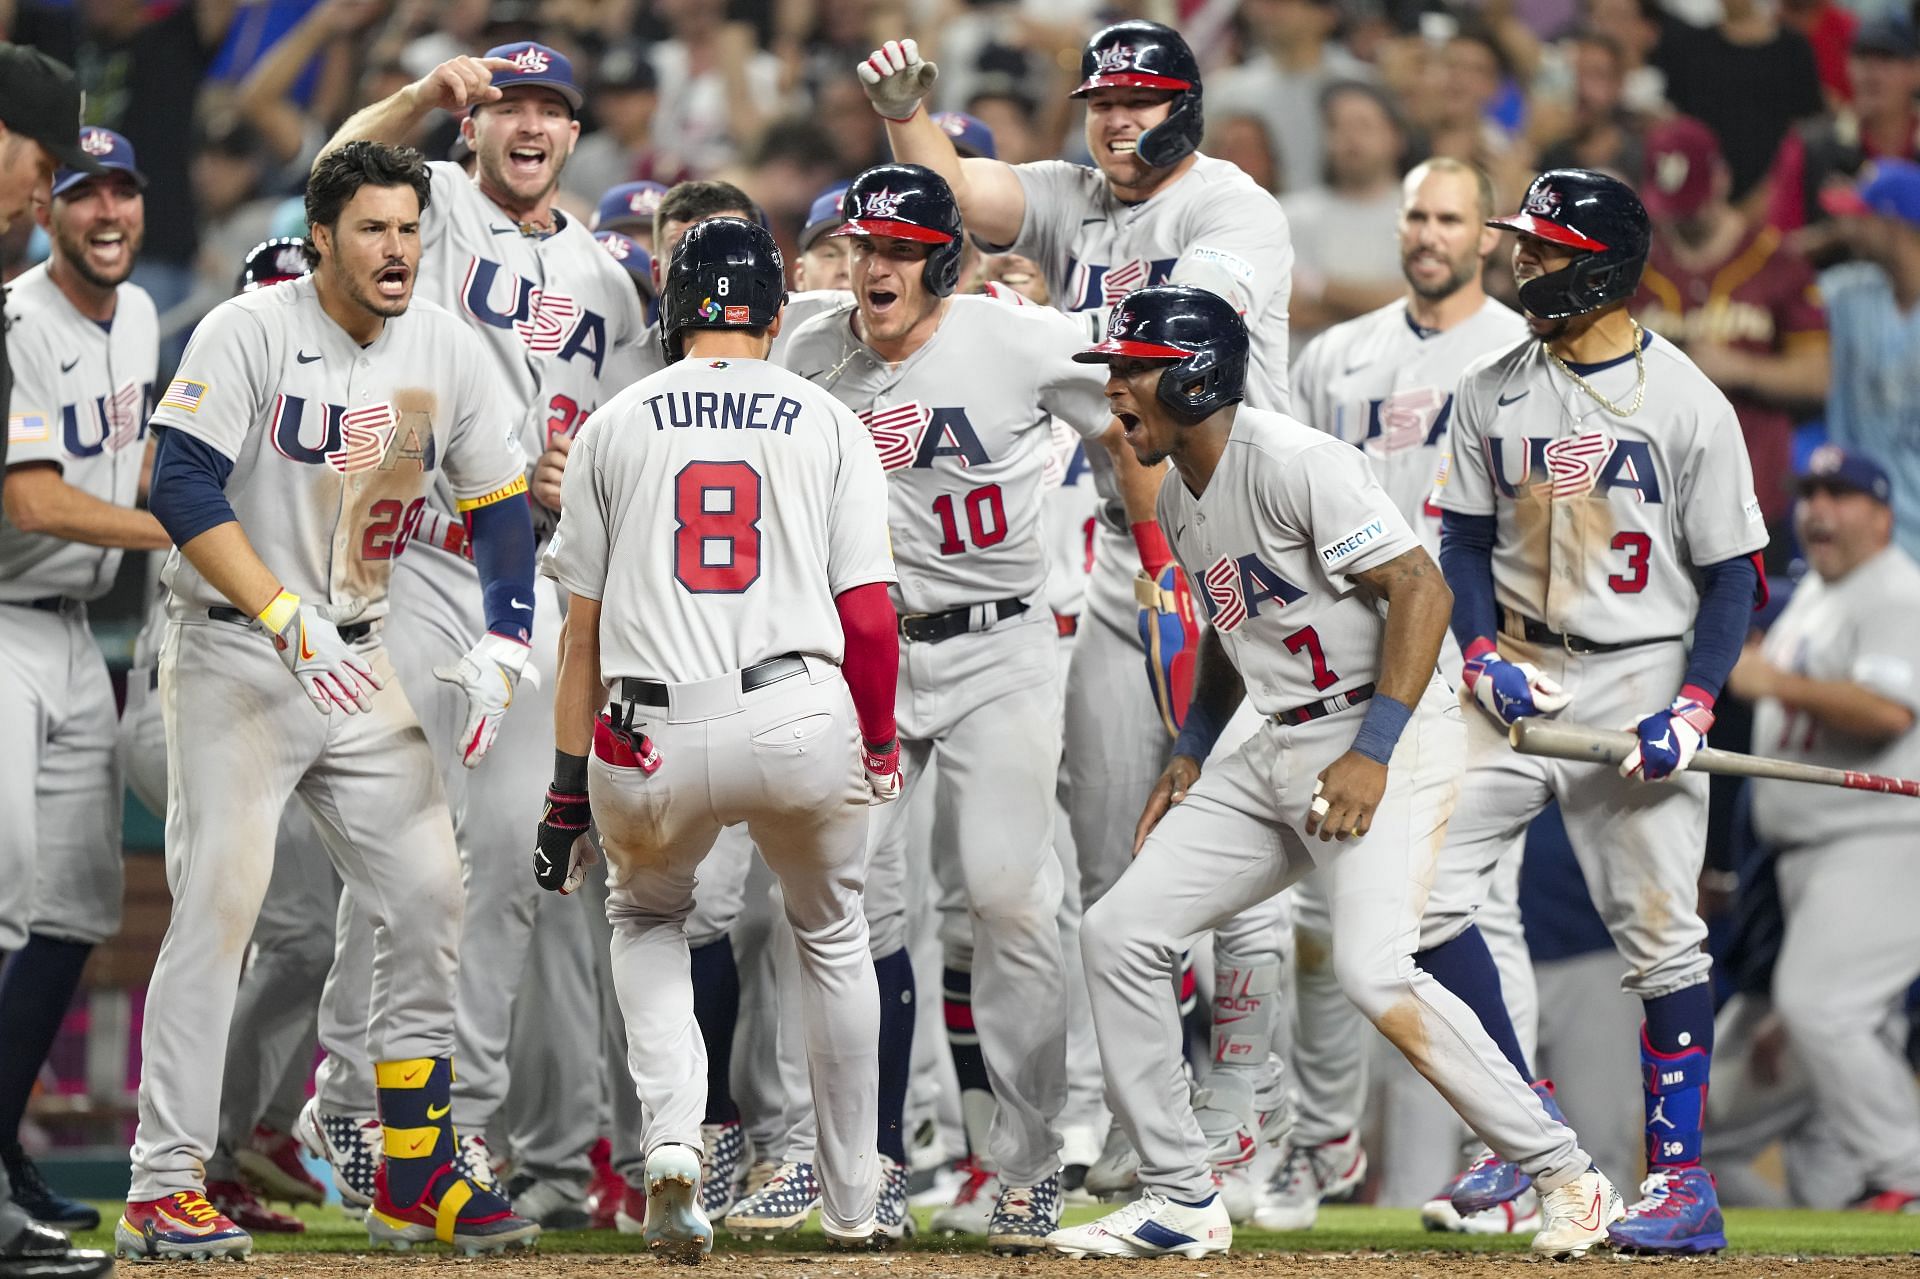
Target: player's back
{"points": [[719, 507]]}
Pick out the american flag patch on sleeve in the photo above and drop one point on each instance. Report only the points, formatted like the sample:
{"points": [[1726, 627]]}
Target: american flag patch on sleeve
{"points": [[184, 393], [28, 428]]}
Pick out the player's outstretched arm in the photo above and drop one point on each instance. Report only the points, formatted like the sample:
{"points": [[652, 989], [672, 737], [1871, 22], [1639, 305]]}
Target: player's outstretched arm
{"points": [[454, 85], [1218, 691], [38, 499], [1418, 606], [898, 82], [561, 853]]}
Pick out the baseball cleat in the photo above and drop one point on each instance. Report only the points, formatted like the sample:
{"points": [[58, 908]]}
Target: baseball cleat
{"points": [[779, 1207], [1307, 1177], [1575, 1217], [758, 1175], [471, 1217], [892, 1219], [478, 1164], [179, 1227], [1515, 1217], [631, 1218], [1491, 1180], [350, 1145], [1678, 1212], [554, 1203], [724, 1149], [676, 1227], [247, 1210], [1115, 1175], [973, 1204], [1151, 1226], [1025, 1216], [1896, 1201], [270, 1163], [1227, 1122], [862, 1238], [606, 1189], [33, 1196]]}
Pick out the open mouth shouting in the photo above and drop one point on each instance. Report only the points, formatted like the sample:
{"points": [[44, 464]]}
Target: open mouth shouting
{"points": [[882, 301], [527, 162], [391, 281], [108, 250]]}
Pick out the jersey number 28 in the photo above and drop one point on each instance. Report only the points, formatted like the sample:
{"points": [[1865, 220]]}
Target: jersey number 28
{"points": [[716, 539]]}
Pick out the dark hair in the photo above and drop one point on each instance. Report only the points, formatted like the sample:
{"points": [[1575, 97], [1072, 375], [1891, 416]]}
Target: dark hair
{"points": [[695, 201], [341, 172]]}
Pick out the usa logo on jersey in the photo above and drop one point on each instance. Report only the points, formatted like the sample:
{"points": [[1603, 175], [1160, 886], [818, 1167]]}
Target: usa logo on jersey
{"points": [[546, 321], [115, 421], [913, 434], [1572, 466], [1407, 419], [1092, 285], [375, 436], [1234, 587]]}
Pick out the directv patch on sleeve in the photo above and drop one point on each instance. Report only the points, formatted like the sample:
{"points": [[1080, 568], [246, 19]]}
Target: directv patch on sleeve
{"points": [[1233, 265], [1344, 548]]}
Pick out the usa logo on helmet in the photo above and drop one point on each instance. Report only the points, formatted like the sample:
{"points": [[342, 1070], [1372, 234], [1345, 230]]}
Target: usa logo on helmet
{"points": [[530, 62], [883, 204], [1543, 203], [1113, 58]]}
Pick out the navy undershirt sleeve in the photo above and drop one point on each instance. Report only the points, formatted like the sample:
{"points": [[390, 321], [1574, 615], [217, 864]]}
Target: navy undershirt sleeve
{"points": [[1720, 627], [501, 534], [188, 493], [1466, 560]]}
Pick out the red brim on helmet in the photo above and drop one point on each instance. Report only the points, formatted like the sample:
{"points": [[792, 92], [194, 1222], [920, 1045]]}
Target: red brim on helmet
{"points": [[267, 281], [1104, 351], [1553, 232], [1131, 80], [889, 229]]}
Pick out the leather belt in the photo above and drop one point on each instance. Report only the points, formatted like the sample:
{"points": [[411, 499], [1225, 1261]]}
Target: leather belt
{"points": [[47, 604], [651, 692], [1066, 623], [931, 628], [1535, 632], [1330, 706], [352, 634]]}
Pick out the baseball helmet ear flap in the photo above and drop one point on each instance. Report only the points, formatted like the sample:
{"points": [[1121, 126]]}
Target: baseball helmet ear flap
{"points": [[1204, 383], [1602, 220]]}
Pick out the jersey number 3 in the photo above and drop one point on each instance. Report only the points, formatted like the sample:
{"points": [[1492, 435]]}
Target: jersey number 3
{"points": [[716, 541]]}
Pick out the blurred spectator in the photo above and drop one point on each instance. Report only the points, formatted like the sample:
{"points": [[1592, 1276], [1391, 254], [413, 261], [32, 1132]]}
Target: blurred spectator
{"points": [[1013, 121], [1018, 274], [1346, 233], [1884, 69], [1294, 58], [1836, 685], [716, 89], [1471, 73], [1748, 80], [1243, 140], [1634, 28], [792, 160], [1873, 403], [1741, 304], [236, 213], [841, 109], [1606, 132], [291, 129], [623, 101], [824, 261], [142, 66], [1829, 30]]}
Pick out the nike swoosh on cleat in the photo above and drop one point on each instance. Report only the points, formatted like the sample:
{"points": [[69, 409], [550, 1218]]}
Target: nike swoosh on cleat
{"points": [[1592, 1219]]}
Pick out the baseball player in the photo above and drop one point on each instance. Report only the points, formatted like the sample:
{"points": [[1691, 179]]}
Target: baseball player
{"points": [[305, 421], [743, 628], [635, 261], [825, 261], [1384, 383], [561, 325], [85, 356], [1321, 600], [630, 209], [979, 684], [1598, 507]]}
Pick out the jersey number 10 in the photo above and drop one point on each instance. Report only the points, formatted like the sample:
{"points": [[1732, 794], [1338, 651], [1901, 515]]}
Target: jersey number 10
{"points": [[986, 520]]}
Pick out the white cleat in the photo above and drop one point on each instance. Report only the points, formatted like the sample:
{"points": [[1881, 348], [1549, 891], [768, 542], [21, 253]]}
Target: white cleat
{"points": [[1115, 1175], [1576, 1216], [1308, 1177], [1515, 1217], [1151, 1226], [676, 1228]]}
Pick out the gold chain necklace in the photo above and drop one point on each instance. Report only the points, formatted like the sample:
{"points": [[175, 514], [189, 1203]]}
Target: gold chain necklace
{"points": [[1639, 373]]}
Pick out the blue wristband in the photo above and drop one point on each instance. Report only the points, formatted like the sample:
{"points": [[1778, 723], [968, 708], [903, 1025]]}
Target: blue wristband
{"points": [[1381, 729]]}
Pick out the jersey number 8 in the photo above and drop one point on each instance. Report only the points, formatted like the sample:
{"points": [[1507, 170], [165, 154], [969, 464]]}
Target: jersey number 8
{"points": [[716, 539]]}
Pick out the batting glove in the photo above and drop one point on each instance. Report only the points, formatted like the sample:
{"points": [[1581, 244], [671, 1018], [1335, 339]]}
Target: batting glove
{"points": [[897, 79], [1512, 691], [882, 765], [1170, 634], [488, 673], [332, 673], [1669, 739], [561, 851]]}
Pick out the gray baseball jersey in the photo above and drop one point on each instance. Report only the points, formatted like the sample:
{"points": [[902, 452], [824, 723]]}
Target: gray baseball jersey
{"points": [[80, 399], [1069, 519], [1385, 385], [1271, 549], [1213, 228], [334, 444], [1861, 628], [716, 509], [1593, 507], [964, 454]]}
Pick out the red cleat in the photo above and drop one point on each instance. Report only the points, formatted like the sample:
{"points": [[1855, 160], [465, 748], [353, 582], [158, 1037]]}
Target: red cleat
{"points": [[605, 1191], [270, 1163], [246, 1209]]}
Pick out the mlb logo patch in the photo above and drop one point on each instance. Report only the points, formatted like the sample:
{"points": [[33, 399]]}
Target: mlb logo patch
{"points": [[184, 394]]}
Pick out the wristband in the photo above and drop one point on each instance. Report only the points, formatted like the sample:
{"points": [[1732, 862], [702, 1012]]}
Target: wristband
{"points": [[1381, 729], [569, 773], [279, 611], [1152, 545]]}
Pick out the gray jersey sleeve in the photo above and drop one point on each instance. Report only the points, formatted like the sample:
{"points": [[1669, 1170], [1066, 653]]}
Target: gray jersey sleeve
{"points": [[1240, 247], [226, 379], [577, 556], [1346, 516], [1884, 653], [1074, 393], [1720, 515], [859, 549], [1055, 205], [484, 455], [1463, 485], [33, 418], [1309, 375]]}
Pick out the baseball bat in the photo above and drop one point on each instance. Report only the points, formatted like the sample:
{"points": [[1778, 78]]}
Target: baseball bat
{"points": [[1534, 736]]}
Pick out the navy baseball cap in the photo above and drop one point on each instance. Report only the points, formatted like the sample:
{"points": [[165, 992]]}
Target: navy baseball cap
{"points": [[105, 148], [536, 64], [629, 205], [970, 135], [632, 258], [1887, 188], [823, 216], [1832, 466]]}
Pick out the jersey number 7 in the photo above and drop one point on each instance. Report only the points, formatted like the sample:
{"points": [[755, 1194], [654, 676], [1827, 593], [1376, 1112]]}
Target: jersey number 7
{"points": [[716, 539]]}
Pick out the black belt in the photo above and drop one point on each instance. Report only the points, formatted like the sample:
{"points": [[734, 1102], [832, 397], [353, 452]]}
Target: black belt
{"points": [[1579, 645], [46, 604], [651, 692], [931, 628], [1320, 710], [351, 634]]}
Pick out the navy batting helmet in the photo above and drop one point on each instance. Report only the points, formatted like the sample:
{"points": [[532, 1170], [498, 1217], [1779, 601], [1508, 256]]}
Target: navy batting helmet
{"points": [[908, 202], [1600, 217], [1199, 331], [726, 274], [1146, 55], [272, 261]]}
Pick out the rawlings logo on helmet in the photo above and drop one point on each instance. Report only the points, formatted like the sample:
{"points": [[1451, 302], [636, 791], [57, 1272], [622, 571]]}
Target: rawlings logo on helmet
{"points": [[1542, 202], [1112, 59], [96, 142], [882, 204], [530, 61]]}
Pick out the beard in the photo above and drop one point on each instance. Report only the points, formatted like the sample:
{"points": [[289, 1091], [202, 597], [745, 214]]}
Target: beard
{"points": [[1460, 273], [74, 249]]}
